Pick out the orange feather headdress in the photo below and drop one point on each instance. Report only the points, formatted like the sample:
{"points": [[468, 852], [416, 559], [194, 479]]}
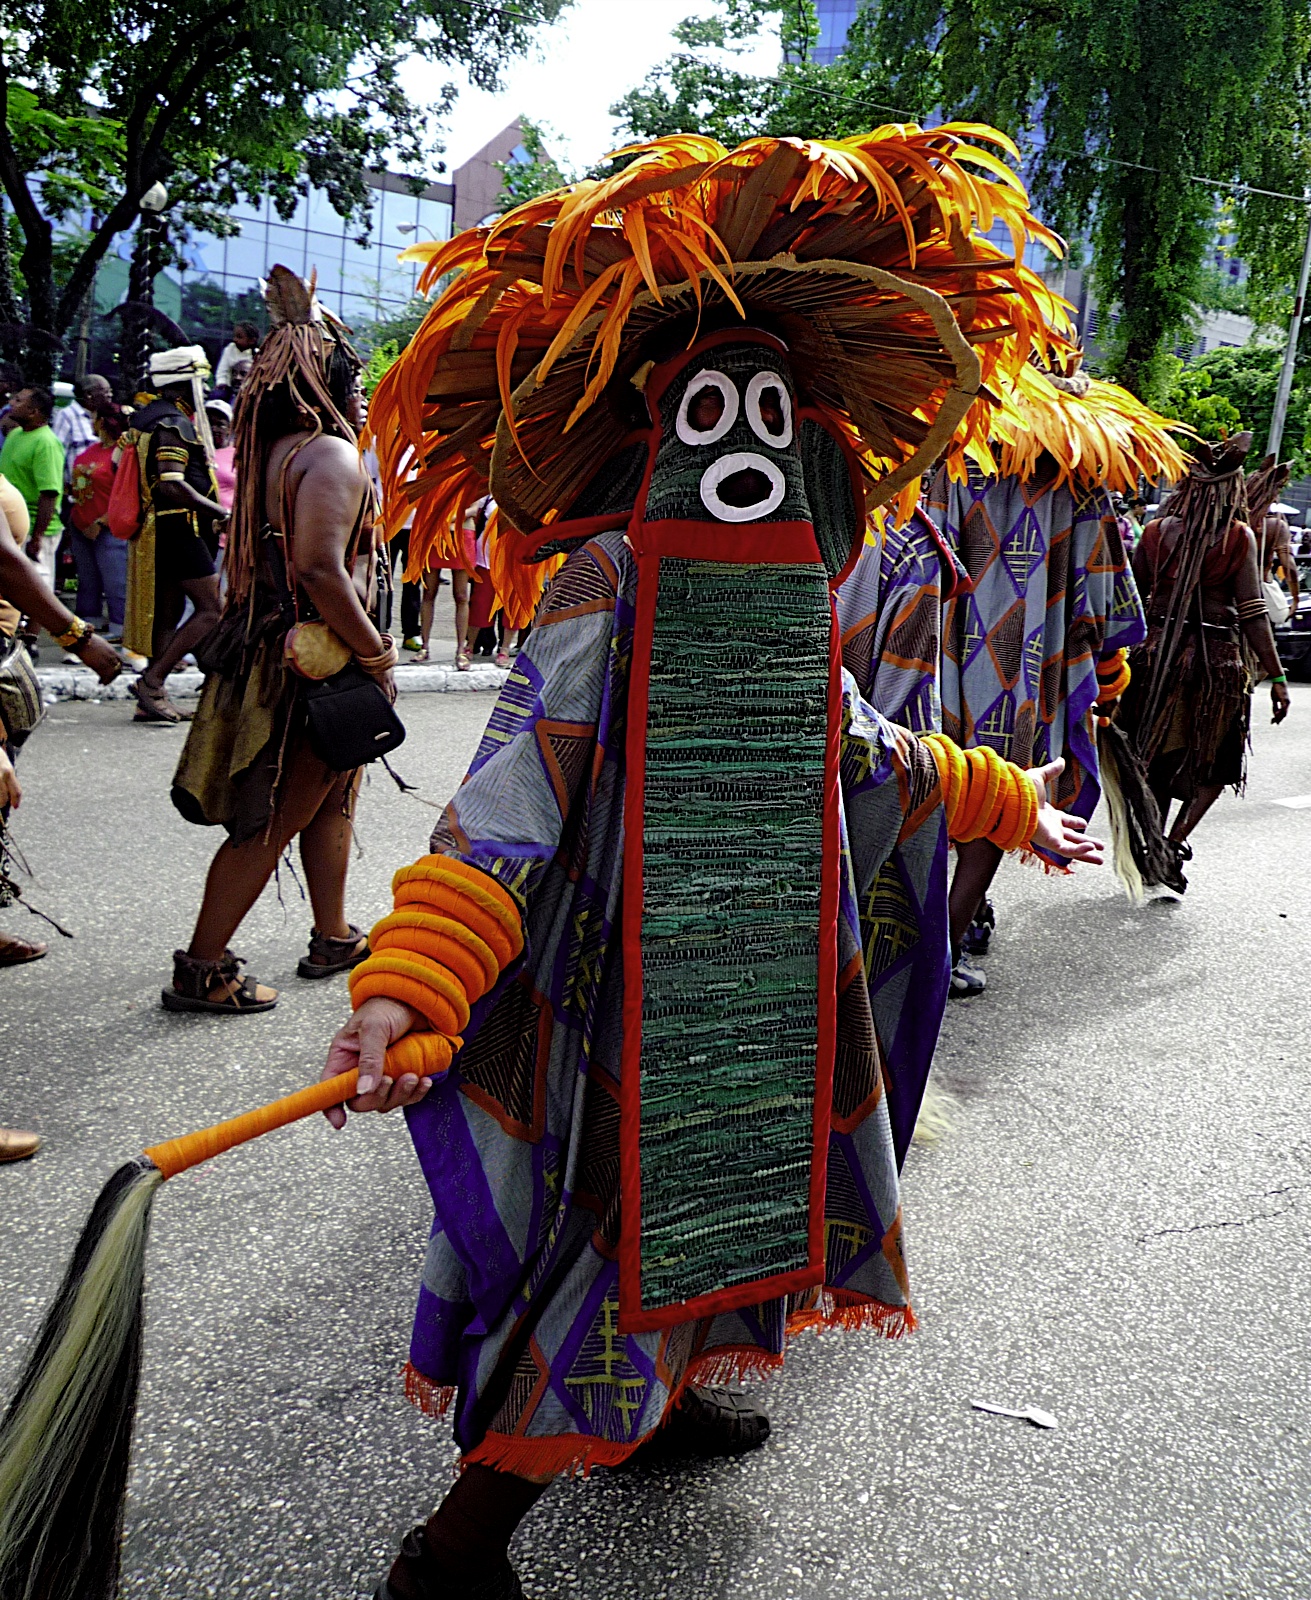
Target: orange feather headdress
{"points": [[1098, 434], [868, 256]]}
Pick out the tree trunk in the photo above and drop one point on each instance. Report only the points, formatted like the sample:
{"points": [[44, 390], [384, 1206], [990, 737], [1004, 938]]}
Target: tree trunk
{"points": [[42, 342]]}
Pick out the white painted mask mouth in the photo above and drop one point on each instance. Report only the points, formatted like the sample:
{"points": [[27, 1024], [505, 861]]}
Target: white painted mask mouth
{"points": [[742, 487]]}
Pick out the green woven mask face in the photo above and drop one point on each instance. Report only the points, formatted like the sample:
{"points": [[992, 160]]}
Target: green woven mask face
{"points": [[730, 442]]}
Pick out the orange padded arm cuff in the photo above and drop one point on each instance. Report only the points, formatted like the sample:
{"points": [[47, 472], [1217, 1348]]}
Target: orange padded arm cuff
{"points": [[1112, 677], [454, 931], [984, 797]]}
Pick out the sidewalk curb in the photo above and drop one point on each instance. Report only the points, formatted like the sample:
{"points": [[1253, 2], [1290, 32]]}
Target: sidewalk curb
{"points": [[80, 683]]}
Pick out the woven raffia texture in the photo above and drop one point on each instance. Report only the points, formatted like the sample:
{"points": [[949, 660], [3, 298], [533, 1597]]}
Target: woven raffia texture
{"points": [[730, 922], [869, 256]]}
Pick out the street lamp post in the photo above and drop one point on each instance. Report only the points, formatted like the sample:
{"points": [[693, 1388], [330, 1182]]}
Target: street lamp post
{"points": [[1285, 389], [141, 287]]}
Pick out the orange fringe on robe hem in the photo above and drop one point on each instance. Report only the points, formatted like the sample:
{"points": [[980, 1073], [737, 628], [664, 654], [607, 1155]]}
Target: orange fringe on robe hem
{"points": [[570, 1453]]}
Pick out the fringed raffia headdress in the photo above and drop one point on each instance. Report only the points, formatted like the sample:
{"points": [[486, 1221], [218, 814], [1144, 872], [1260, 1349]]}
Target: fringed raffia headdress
{"points": [[865, 255], [296, 353], [1264, 486], [1097, 434]]}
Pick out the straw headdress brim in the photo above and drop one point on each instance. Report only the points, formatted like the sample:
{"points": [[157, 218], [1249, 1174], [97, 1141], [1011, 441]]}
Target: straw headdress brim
{"points": [[893, 358]]}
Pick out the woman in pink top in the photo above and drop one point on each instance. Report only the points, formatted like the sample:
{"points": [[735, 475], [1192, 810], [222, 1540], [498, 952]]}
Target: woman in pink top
{"points": [[219, 413]]}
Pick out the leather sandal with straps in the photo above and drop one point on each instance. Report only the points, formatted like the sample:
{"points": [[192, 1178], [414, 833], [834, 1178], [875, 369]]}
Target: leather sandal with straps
{"points": [[330, 956], [215, 986], [154, 705]]}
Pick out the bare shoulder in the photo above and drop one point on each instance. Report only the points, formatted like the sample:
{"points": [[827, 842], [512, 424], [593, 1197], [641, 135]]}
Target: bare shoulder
{"points": [[329, 459]]}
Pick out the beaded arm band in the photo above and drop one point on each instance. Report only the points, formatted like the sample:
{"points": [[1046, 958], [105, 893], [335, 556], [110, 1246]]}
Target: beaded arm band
{"points": [[452, 934], [984, 796], [1113, 676]]}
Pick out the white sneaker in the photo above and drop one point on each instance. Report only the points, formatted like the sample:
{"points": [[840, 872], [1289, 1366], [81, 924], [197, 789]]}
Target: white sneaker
{"points": [[967, 978], [131, 659]]}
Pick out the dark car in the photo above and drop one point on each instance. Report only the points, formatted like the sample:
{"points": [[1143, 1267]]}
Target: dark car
{"points": [[1294, 636]]}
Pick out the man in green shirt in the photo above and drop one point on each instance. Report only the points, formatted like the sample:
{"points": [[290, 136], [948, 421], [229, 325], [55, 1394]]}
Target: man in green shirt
{"points": [[33, 461]]}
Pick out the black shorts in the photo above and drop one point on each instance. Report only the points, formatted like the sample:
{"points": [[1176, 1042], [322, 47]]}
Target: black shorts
{"points": [[181, 555]]}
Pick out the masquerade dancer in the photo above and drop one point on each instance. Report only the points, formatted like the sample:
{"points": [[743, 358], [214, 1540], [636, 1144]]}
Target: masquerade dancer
{"points": [[658, 1110]]}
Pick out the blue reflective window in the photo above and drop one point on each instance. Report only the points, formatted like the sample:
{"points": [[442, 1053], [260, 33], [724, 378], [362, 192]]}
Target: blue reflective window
{"points": [[245, 257]]}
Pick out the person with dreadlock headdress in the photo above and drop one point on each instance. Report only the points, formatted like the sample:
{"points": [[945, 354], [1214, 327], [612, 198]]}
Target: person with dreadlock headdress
{"points": [[1038, 636], [1188, 706], [1274, 536], [667, 1106], [301, 568]]}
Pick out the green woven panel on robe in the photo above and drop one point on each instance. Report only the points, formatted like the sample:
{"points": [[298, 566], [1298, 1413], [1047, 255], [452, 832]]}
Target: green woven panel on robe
{"points": [[731, 903]]}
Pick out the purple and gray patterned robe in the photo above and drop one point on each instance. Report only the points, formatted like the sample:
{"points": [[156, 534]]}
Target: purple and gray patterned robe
{"points": [[1051, 595], [518, 1312]]}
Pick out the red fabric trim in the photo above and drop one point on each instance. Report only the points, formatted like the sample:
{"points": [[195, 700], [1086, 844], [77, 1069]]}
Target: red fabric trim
{"points": [[574, 528], [827, 1033], [663, 375], [738, 544], [652, 542], [630, 1091], [959, 582], [433, 1399]]}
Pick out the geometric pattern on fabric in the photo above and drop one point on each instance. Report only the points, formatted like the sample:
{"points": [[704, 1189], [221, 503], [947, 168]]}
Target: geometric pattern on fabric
{"points": [[1051, 594], [516, 1328], [890, 621]]}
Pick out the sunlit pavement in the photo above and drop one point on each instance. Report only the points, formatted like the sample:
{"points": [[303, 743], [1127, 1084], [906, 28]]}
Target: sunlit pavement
{"points": [[1114, 1229]]}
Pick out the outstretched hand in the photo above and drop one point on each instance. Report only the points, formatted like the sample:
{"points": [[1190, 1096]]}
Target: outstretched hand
{"points": [[363, 1043], [1060, 832]]}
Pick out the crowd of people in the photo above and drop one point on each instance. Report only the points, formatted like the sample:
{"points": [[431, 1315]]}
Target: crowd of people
{"points": [[662, 992]]}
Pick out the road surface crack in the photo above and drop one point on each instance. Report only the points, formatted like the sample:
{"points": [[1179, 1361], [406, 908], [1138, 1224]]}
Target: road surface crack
{"points": [[1234, 1222]]}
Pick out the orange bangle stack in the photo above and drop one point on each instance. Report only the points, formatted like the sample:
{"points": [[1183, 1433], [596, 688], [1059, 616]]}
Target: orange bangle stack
{"points": [[452, 934], [1112, 677], [984, 796]]}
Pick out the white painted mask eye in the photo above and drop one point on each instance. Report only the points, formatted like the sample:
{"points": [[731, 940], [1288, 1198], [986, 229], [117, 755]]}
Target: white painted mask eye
{"points": [[769, 410], [709, 408], [742, 487]]}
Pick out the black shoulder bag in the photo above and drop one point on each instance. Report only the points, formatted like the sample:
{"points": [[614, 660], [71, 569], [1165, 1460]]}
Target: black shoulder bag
{"points": [[350, 719]]}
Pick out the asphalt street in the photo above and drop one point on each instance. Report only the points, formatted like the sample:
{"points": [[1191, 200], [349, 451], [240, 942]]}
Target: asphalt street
{"points": [[1114, 1227]]}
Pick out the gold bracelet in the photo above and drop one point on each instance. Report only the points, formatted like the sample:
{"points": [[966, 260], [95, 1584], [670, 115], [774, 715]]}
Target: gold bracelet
{"points": [[75, 636], [386, 658]]}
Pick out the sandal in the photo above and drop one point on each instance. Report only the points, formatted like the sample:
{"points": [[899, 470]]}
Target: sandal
{"points": [[336, 955], [503, 658], [463, 660], [153, 705], [215, 986], [501, 1583], [15, 952], [707, 1423]]}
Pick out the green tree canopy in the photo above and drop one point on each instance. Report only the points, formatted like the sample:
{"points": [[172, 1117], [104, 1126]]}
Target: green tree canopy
{"points": [[1227, 390], [225, 99], [1118, 104]]}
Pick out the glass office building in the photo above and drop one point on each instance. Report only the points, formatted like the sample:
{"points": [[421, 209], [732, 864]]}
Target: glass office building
{"points": [[360, 282], [219, 283], [835, 19]]}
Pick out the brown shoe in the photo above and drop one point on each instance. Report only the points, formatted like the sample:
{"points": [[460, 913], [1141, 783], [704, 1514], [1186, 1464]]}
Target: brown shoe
{"points": [[15, 1145], [15, 951]]}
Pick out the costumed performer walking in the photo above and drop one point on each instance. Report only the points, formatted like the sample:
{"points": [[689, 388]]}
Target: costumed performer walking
{"points": [[1038, 638], [302, 552], [173, 554], [1188, 709], [668, 1139]]}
